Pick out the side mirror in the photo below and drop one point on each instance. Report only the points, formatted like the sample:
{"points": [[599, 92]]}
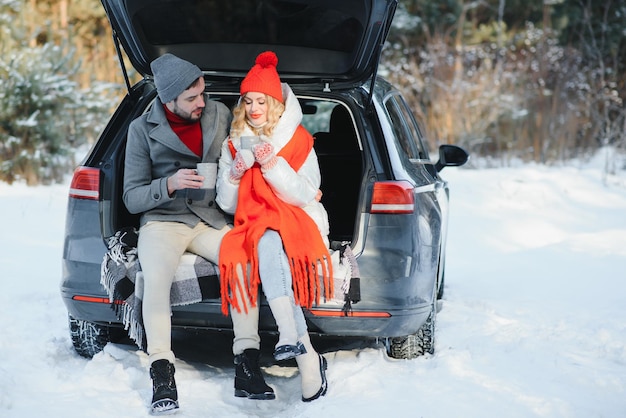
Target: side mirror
{"points": [[451, 156]]}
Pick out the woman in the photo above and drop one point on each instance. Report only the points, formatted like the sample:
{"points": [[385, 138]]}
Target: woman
{"points": [[281, 228]]}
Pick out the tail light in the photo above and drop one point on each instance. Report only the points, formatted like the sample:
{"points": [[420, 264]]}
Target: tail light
{"points": [[85, 183], [392, 197]]}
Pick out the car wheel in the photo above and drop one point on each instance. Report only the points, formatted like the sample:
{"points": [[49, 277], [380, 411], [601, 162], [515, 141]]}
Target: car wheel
{"points": [[418, 344], [89, 338]]}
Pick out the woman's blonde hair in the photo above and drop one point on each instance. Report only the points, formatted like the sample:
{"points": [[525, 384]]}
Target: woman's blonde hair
{"points": [[275, 110]]}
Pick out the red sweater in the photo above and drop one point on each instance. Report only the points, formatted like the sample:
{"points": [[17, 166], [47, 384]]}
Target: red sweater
{"points": [[190, 132]]}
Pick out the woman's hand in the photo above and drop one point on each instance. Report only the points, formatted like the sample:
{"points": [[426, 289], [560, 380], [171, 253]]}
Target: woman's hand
{"points": [[265, 156], [242, 162]]}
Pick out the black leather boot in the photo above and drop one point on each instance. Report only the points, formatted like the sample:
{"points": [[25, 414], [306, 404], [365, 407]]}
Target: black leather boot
{"points": [[164, 394], [249, 382]]}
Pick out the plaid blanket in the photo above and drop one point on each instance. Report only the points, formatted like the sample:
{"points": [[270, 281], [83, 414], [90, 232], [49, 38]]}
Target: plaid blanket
{"points": [[195, 279]]}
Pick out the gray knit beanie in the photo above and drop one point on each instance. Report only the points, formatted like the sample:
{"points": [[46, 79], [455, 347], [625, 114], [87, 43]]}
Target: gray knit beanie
{"points": [[172, 76]]}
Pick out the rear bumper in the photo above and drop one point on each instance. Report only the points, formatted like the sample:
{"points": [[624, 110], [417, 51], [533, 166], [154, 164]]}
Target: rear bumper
{"points": [[207, 315]]}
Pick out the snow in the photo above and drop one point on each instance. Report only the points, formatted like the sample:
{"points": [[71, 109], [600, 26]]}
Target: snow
{"points": [[532, 324]]}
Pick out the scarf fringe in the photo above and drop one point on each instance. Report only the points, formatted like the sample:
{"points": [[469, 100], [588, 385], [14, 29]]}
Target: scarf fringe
{"points": [[306, 285], [305, 281], [232, 289]]}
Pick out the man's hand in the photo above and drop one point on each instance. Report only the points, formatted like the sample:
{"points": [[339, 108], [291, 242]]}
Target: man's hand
{"points": [[185, 178]]}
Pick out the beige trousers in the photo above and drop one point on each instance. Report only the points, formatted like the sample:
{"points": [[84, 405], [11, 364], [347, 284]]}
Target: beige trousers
{"points": [[160, 246]]}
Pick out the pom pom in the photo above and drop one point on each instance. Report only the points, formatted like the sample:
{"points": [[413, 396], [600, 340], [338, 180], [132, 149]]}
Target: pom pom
{"points": [[267, 59]]}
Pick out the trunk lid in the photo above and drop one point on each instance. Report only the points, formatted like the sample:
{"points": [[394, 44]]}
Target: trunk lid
{"points": [[335, 44]]}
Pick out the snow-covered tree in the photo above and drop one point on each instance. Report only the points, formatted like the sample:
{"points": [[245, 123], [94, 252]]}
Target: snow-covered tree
{"points": [[44, 114]]}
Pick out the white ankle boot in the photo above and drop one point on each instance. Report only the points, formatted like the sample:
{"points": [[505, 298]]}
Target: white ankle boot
{"points": [[312, 367]]}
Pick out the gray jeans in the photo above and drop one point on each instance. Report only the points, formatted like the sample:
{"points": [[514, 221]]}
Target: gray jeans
{"points": [[276, 275]]}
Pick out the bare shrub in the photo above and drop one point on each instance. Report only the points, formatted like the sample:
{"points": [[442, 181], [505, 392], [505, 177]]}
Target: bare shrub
{"points": [[530, 99]]}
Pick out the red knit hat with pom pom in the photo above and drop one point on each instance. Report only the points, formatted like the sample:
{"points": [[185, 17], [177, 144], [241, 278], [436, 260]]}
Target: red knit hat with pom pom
{"points": [[263, 78]]}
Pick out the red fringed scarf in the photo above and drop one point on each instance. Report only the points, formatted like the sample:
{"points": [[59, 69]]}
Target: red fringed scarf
{"points": [[259, 209]]}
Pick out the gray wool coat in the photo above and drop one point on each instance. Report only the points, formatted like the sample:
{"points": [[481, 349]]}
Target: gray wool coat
{"points": [[154, 153]]}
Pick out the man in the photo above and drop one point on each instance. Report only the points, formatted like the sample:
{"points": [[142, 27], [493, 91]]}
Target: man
{"points": [[164, 145]]}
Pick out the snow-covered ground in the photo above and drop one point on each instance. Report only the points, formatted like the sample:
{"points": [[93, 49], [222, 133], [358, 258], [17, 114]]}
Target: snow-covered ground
{"points": [[533, 322]]}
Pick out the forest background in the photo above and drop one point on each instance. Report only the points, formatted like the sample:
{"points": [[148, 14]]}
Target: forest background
{"points": [[508, 80]]}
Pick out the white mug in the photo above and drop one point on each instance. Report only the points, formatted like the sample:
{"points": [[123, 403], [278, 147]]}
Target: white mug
{"points": [[248, 142], [209, 172]]}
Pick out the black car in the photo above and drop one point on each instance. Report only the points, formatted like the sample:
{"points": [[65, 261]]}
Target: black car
{"points": [[383, 194]]}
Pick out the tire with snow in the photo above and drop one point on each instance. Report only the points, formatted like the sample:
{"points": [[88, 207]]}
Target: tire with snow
{"points": [[89, 338], [415, 345]]}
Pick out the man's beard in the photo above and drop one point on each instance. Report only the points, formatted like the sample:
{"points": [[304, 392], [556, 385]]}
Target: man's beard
{"points": [[188, 116]]}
